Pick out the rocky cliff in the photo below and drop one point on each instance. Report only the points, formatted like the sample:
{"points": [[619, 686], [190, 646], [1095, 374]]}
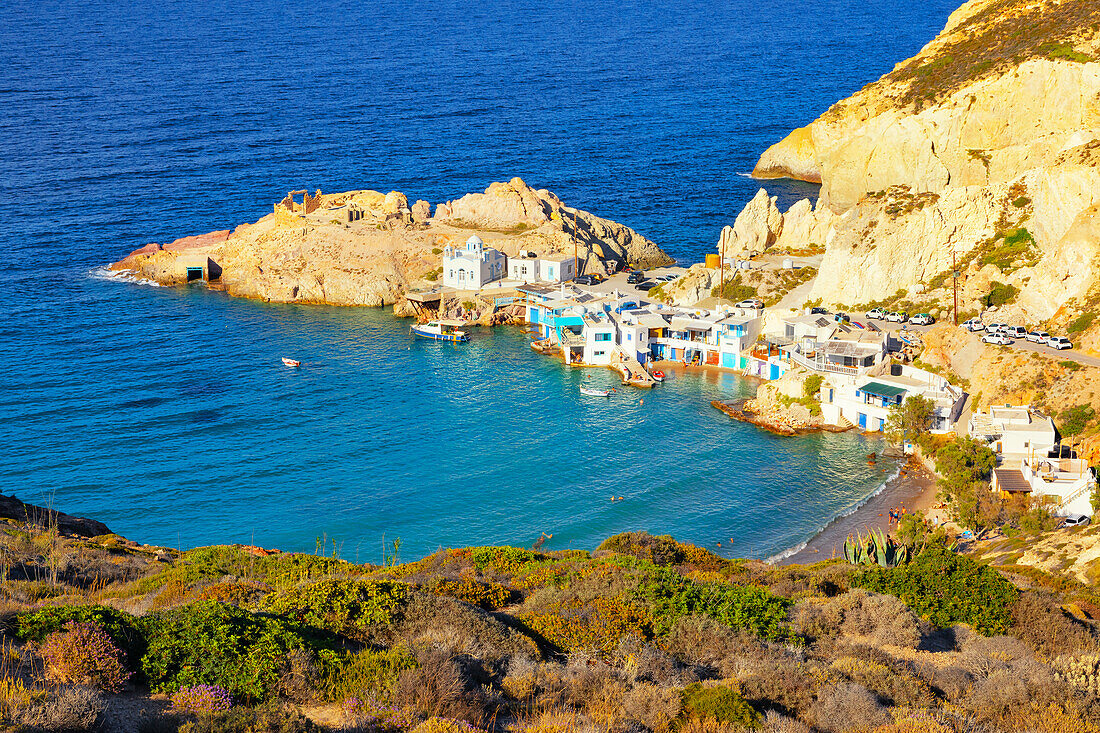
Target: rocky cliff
{"points": [[369, 248], [980, 154]]}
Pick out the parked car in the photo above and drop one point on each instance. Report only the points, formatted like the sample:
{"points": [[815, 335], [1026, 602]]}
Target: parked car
{"points": [[666, 278], [996, 327], [922, 319], [635, 277], [646, 286], [997, 338], [1038, 337], [819, 311], [750, 303], [897, 317], [1075, 520], [879, 313], [585, 280], [1016, 332], [974, 325], [1059, 342]]}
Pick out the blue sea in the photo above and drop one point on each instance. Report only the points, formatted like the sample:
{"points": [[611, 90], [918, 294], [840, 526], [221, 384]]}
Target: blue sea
{"points": [[166, 413]]}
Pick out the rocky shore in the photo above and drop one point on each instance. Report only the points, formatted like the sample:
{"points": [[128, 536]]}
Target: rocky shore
{"points": [[775, 418], [368, 248]]}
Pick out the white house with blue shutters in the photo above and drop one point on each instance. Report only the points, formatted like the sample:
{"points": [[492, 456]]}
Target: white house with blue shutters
{"points": [[527, 267], [474, 266]]}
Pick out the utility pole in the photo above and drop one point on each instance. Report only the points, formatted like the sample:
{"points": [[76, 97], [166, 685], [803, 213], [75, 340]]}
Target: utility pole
{"points": [[722, 268], [576, 265], [955, 280]]}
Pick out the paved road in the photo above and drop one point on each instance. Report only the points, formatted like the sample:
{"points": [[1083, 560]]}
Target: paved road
{"points": [[1020, 344]]}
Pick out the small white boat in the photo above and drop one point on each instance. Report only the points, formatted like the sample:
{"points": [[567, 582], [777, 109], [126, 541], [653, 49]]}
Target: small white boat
{"points": [[441, 331], [658, 376], [291, 362], [593, 392]]}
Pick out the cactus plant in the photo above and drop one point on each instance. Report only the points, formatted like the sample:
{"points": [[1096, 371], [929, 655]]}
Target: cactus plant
{"points": [[874, 548]]}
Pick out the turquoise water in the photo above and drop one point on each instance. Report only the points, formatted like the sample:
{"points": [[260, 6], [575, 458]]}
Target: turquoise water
{"points": [[166, 414]]}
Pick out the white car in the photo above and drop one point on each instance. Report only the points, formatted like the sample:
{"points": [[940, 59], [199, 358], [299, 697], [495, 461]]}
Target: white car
{"points": [[1038, 337], [1059, 342], [1016, 332], [666, 278], [897, 317], [751, 303], [922, 319], [996, 328], [1075, 520], [878, 313], [974, 325], [997, 338]]}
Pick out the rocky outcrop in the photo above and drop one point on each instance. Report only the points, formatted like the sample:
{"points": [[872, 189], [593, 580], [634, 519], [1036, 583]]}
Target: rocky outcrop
{"points": [[44, 518], [369, 248], [755, 229], [1000, 91], [980, 154]]}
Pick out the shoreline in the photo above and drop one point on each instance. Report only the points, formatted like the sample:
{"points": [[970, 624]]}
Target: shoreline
{"points": [[912, 487]]}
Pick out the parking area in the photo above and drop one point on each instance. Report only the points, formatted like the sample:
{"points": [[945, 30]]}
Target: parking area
{"points": [[1020, 344], [619, 282]]}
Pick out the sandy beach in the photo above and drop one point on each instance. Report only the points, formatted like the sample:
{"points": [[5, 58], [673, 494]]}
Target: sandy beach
{"points": [[914, 489]]}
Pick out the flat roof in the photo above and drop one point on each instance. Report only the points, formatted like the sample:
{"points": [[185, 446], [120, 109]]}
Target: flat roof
{"points": [[882, 390]]}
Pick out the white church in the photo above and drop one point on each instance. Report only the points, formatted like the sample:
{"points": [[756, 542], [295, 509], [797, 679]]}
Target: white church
{"points": [[474, 266]]}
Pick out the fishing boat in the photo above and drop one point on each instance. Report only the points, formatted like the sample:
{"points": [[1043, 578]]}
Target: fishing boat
{"points": [[441, 331], [593, 392], [291, 362], [658, 375]]}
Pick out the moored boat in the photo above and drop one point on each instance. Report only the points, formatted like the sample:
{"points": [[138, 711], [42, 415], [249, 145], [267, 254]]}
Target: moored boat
{"points": [[441, 331], [658, 375], [291, 362], [593, 392]]}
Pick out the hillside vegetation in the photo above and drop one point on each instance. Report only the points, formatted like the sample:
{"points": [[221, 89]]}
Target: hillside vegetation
{"points": [[643, 634]]}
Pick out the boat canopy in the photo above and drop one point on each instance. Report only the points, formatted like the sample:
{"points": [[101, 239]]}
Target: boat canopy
{"points": [[453, 323]]}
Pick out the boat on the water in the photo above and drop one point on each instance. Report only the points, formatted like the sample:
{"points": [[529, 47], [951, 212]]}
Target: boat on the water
{"points": [[658, 375], [441, 331], [593, 392], [291, 362]]}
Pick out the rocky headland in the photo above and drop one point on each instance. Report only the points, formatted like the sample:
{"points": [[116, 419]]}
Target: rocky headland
{"points": [[369, 248], [980, 154]]}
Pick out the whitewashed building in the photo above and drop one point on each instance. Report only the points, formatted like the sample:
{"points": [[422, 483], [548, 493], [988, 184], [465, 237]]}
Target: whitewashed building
{"points": [[527, 267], [473, 266], [866, 401]]}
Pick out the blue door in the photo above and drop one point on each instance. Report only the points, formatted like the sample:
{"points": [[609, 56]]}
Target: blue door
{"points": [[863, 421]]}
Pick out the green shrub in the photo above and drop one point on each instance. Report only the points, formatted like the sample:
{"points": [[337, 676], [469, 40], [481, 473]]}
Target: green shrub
{"points": [[947, 588], [1065, 51], [436, 251], [723, 704], [367, 674], [508, 560], [119, 625], [431, 275], [1000, 294], [812, 385], [1021, 201], [670, 596], [215, 644], [349, 607], [1080, 323], [1075, 419]]}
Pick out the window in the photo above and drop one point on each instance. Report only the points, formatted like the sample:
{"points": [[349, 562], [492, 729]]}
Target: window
{"points": [[603, 337], [629, 337], [599, 353]]}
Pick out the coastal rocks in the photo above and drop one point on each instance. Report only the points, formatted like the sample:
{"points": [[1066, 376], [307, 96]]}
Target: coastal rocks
{"points": [[792, 157], [779, 408], [694, 285], [368, 248], [756, 228], [43, 518]]}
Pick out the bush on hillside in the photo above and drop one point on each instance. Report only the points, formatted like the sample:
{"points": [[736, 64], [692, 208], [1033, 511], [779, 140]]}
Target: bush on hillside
{"points": [[947, 589], [670, 596], [269, 717], [367, 674], [84, 654], [348, 607], [215, 644], [662, 550], [720, 703], [121, 627]]}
